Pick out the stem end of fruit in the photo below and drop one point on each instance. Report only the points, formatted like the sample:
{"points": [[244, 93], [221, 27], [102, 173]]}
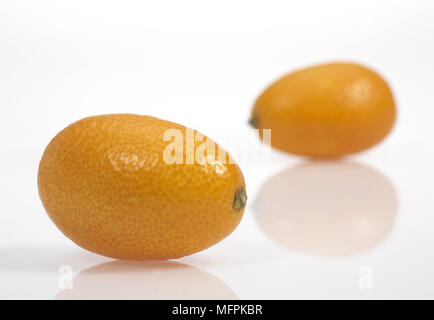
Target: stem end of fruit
{"points": [[240, 199], [253, 121]]}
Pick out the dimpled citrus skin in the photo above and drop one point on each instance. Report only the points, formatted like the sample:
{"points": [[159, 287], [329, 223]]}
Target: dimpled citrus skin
{"points": [[327, 110], [104, 183]]}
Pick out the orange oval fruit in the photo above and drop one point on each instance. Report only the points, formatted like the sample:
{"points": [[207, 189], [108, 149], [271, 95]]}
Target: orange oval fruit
{"points": [[327, 110], [111, 184]]}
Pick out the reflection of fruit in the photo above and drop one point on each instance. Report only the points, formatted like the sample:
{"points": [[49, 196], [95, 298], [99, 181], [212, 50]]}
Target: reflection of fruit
{"points": [[146, 280], [105, 183], [326, 111], [327, 208]]}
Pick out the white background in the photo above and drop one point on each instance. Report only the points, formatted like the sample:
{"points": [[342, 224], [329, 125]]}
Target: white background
{"points": [[359, 230]]}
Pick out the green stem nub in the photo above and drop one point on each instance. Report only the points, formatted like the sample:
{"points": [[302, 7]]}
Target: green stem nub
{"points": [[240, 199], [253, 121]]}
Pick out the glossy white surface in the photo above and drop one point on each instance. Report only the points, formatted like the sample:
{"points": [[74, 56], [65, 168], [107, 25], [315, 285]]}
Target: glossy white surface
{"points": [[358, 228]]}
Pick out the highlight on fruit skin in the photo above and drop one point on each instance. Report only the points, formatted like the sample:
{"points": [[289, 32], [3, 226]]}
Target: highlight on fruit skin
{"points": [[107, 185], [328, 110]]}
